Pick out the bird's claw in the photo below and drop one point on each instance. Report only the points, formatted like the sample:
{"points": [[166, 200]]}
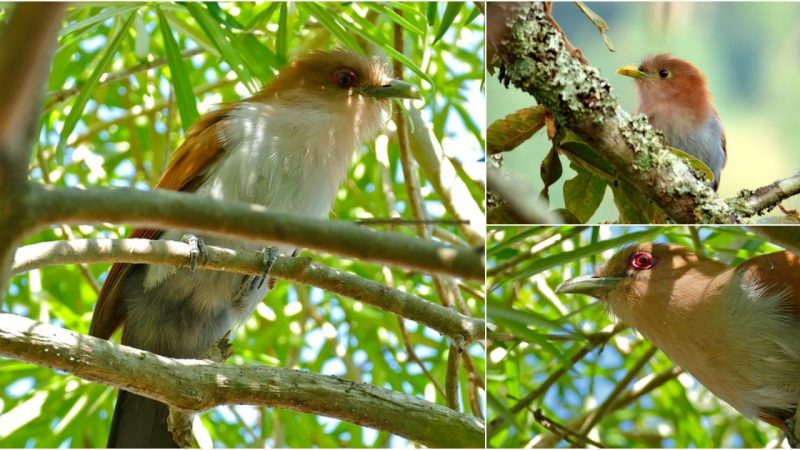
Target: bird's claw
{"points": [[196, 248], [270, 256]]}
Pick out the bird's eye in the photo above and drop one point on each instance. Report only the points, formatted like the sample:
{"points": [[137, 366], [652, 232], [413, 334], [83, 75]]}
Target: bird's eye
{"points": [[642, 261], [663, 73], [345, 78]]}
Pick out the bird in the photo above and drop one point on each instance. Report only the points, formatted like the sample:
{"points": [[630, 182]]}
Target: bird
{"points": [[674, 96], [287, 148], [736, 329]]}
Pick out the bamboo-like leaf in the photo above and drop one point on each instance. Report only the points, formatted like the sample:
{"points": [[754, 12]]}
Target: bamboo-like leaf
{"points": [[263, 16], [88, 89], [329, 21], [395, 17], [469, 122], [474, 15], [179, 75], [96, 19], [230, 54], [222, 16], [450, 13], [360, 27], [562, 258], [430, 13], [282, 35]]}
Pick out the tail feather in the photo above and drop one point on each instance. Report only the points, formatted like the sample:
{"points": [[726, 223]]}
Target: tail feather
{"points": [[139, 422]]}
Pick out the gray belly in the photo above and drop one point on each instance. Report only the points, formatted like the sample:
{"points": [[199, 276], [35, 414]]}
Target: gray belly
{"points": [[185, 314]]}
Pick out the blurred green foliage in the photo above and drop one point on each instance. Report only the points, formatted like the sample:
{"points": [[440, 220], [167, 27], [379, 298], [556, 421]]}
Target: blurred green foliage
{"points": [[126, 81]]}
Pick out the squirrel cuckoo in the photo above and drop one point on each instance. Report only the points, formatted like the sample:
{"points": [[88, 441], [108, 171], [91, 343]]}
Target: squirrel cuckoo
{"points": [[675, 98], [736, 329], [287, 148]]}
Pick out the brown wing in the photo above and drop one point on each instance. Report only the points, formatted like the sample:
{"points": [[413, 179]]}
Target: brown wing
{"points": [[778, 272], [204, 144]]}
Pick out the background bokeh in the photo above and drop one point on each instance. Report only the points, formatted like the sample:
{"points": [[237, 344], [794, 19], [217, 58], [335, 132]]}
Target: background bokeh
{"points": [[748, 52]]}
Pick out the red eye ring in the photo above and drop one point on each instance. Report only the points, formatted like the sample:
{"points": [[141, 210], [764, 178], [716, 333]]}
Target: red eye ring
{"points": [[642, 261], [345, 78]]}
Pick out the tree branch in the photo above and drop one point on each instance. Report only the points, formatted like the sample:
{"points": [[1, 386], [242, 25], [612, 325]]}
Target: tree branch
{"points": [[143, 251], [751, 203], [167, 209], [27, 41], [24, 61], [195, 385]]}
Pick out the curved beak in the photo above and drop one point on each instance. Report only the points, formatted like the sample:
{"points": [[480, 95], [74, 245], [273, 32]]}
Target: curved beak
{"points": [[591, 285], [632, 71], [393, 89]]}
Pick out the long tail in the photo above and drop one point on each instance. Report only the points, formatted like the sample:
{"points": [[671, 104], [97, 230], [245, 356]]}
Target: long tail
{"points": [[139, 423]]}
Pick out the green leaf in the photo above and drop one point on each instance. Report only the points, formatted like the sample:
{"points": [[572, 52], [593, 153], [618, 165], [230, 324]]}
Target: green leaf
{"points": [[633, 206], [88, 89], [584, 193], [512, 130], [329, 21], [222, 16], [360, 27], [560, 259], [217, 36], [179, 76], [395, 17], [450, 13], [473, 15], [282, 35], [96, 19], [430, 13]]}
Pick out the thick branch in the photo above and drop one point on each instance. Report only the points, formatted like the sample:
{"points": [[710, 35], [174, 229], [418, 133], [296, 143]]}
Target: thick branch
{"points": [[27, 41], [26, 47], [142, 251], [166, 209], [196, 385], [536, 60]]}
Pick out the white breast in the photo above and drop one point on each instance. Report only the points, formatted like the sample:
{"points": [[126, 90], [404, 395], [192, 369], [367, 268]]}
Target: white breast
{"points": [[286, 159]]}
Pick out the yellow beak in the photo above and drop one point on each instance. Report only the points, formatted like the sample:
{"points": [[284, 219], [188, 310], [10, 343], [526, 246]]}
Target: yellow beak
{"points": [[631, 71]]}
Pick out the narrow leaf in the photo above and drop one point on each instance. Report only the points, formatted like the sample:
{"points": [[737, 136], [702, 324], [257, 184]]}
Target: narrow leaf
{"points": [[88, 88], [450, 13], [179, 75], [328, 20], [217, 36]]}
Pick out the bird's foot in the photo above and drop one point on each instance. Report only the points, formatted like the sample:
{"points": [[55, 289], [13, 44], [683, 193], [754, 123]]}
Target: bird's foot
{"points": [[270, 256], [221, 350], [196, 248]]}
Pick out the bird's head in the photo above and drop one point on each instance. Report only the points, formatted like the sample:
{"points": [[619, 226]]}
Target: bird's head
{"points": [[665, 80], [646, 282], [335, 93], [336, 79]]}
